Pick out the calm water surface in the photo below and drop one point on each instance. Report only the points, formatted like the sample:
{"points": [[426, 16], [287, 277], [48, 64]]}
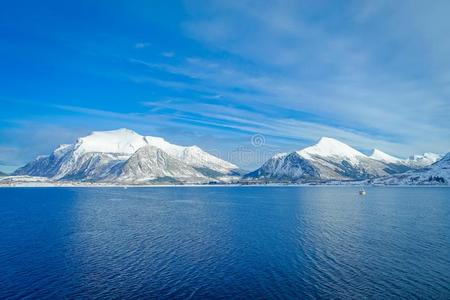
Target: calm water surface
{"points": [[224, 242]]}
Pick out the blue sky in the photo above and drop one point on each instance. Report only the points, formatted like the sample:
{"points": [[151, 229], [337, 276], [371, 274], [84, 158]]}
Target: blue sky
{"points": [[374, 74]]}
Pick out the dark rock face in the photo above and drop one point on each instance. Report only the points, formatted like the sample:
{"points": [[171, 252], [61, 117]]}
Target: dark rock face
{"points": [[289, 167]]}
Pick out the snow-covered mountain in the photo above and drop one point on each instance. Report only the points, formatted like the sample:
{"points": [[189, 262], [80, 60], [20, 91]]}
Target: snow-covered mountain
{"points": [[424, 160], [413, 162], [435, 174], [329, 159], [125, 155]]}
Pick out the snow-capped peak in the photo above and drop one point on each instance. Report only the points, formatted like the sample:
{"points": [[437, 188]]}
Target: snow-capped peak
{"points": [[423, 160], [426, 155], [384, 157], [123, 141], [329, 147], [279, 155]]}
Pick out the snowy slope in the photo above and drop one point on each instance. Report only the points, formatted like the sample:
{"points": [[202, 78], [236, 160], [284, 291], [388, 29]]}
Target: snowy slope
{"points": [[413, 162], [150, 163], [101, 154], [394, 164], [193, 156], [384, 157], [332, 149]]}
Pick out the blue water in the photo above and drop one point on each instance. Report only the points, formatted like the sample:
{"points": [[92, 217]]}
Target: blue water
{"points": [[224, 242]]}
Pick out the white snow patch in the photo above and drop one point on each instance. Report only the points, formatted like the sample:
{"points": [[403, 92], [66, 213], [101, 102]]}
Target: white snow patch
{"points": [[328, 147], [384, 157], [123, 141]]}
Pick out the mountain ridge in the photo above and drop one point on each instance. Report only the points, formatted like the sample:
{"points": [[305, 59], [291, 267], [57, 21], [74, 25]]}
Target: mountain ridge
{"points": [[434, 174], [330, 159]]}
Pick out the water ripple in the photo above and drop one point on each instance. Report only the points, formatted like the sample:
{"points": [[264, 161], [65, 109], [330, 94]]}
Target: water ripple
{"points": [[225, 243]]}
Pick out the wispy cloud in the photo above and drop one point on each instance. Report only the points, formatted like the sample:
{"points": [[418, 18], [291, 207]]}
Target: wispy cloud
{"points": [[395, 115], [168, 54], [141, 45], [374, 83]]}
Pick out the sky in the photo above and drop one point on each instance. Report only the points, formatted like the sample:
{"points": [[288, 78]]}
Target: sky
{"points": [[241, 79]]}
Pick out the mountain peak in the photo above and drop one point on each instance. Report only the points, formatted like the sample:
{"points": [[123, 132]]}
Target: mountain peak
{"points": [[119, 133], [327, 140], [327, 147], [381, 156], [423, 160], [426, 155], [113, 141]]}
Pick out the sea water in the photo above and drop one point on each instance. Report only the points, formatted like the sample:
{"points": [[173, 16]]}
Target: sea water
{"points": [[224, 242]]}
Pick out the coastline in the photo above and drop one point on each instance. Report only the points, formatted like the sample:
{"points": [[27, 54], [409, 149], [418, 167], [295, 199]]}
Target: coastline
{"points": [[231, 185]]}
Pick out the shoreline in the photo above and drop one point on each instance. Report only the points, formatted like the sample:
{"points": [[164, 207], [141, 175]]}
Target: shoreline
{"points": [[126, 186], [43, 182]]}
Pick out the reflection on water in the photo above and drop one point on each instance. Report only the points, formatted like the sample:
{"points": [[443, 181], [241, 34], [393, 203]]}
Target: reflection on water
{"points": [[228, 242]]}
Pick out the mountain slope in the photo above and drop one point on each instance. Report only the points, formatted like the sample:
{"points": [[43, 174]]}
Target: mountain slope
{"points": [[285, 167], [384, 157], [194, 156], [150, 163], [394, 164], [100, 155]]}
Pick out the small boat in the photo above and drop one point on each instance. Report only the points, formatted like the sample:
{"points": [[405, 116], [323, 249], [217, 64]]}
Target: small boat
{"points": [[362, 192]]}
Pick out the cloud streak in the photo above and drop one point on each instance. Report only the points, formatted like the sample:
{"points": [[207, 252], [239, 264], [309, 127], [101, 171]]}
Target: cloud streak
{"points": [[375, 83], [373, 74]]}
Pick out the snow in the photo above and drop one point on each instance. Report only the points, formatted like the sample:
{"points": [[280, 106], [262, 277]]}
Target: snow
{"points": [[121, 141], [381, 156], [423, 160], [279, 155], [329, 147], [191, 155]]}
